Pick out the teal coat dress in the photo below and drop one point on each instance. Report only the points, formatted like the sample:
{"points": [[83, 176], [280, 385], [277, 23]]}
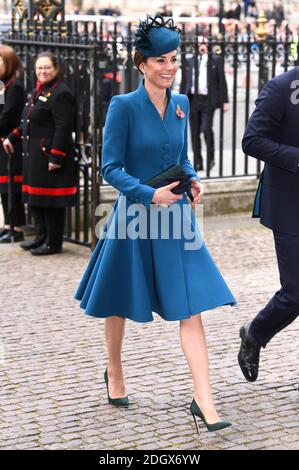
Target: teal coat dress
{"points": [[134, 276]]}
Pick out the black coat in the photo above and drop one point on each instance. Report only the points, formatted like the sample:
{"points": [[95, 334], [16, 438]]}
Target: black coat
{"points": [[272, 136], [46, 130], [10, 114], [186, 84]]}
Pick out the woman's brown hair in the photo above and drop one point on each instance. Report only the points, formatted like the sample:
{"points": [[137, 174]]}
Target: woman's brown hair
{"points": [[12, 63], [138, 59]]}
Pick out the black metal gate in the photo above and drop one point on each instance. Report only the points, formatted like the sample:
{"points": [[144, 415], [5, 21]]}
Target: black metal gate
{"points": [[79, 57], [96, 61]]}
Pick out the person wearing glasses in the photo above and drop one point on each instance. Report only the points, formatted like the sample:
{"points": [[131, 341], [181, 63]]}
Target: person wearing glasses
{"points": [[49, 174]]}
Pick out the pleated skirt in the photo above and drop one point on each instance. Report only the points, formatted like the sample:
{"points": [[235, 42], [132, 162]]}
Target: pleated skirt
{"points": [[163, 267]]}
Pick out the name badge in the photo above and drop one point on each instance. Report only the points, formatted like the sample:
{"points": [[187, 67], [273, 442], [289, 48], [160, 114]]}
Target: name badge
{"points": [[43, 98]]}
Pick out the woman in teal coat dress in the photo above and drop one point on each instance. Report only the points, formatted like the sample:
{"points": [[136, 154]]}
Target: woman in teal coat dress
{"points": [[131, 276]]}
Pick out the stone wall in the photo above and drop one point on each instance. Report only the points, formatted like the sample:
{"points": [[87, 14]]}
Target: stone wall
{"points": [[226, 196]]}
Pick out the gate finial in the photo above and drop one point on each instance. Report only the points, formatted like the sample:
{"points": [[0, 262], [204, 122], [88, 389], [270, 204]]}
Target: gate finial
{"points": [[38, 10], [260, 31]]}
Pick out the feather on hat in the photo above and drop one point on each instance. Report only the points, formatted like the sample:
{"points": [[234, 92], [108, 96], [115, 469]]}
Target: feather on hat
{"points": [[155, 36]]}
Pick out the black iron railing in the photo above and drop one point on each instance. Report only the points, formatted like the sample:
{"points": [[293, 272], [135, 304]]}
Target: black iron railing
{"points": [[96, 60]]}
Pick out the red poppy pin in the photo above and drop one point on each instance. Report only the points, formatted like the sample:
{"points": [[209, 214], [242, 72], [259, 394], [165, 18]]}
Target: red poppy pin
{"points": [[179, 112]]}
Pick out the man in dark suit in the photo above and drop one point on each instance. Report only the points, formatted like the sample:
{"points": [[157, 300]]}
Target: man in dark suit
{"points": [[199, 102], [272, 136]]}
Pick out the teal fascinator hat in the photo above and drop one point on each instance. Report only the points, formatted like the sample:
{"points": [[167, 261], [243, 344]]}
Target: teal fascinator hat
{"points": [[155, 36]]}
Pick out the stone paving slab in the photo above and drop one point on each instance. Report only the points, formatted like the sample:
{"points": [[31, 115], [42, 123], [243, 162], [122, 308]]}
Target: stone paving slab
{"points": [[52, 359]]}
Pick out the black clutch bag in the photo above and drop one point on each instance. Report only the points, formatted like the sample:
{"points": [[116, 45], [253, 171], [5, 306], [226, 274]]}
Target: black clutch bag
{"points": [[172, 174]]}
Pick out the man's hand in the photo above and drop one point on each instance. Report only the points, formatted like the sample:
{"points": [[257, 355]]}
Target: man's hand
{"points": [[8, 147], [53, 166]]}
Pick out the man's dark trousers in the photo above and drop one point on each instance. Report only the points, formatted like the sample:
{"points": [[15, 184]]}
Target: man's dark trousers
{"points": [[283, 308], [50, 222], [198, 124]]}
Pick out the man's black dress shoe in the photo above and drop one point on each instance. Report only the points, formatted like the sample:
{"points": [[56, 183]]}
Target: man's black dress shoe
{"points": [[16, 236], [45, 250], [29, 245], [249, 355]]}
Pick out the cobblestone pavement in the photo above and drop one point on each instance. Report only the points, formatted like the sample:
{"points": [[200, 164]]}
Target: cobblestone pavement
{"points": [[53, 359]]}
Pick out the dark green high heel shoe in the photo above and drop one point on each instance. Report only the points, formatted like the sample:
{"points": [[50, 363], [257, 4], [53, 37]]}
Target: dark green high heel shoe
{"points": [[195, 411], [115, 401]]}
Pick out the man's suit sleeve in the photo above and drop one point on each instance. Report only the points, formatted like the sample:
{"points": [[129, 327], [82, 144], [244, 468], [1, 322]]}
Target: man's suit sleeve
{"points": [[186, 82], [114, 154], [221, 75], [265, 122]]}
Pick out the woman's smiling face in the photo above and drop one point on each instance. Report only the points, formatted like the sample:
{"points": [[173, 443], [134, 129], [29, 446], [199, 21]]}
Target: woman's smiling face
{"points": [[45, 70], [160, 71]]}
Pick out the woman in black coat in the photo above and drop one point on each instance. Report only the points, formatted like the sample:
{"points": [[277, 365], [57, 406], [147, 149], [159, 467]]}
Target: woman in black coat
{"points": [[11, 106], [49, 174]]}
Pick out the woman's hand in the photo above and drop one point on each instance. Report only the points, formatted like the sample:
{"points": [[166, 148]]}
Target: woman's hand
{"points": [[164, 197], [8, 147], [197, 191], [53, 166]]}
